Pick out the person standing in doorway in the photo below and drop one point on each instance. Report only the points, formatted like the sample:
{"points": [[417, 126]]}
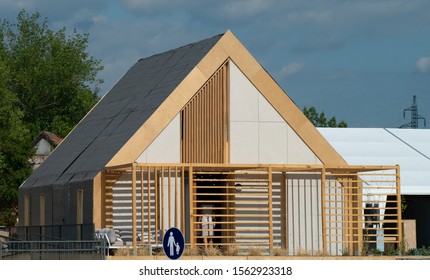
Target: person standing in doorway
{"points": [[207, 221]]}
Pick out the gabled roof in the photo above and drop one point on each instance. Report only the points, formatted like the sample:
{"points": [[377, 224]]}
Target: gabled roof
{"points": [[228, 48], [52, 138], [408, 148], [133, 113], [117, 116]]}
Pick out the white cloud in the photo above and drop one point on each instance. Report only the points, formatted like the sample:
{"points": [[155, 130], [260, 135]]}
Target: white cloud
{"points": [[290, 69], [423, 64]]}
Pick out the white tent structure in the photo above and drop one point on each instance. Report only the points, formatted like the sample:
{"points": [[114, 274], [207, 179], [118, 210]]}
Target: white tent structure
{"points": [[408, 148]]}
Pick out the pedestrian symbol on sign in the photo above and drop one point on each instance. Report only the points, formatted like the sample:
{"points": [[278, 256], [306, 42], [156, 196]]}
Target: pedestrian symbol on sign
{"points": [[173, 243]]}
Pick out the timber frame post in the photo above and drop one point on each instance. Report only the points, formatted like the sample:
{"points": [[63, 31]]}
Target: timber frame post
{"points": [[192, 224], [399, 207], [270, 199], [133, 209], [323, 210]]}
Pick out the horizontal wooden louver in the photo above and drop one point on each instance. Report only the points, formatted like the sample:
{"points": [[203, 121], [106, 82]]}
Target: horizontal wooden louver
{"points": [[205, 122]]}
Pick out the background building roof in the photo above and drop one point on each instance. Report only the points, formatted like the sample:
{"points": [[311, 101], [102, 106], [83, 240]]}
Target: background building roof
{"points": [[408, 148], [52, 138]]}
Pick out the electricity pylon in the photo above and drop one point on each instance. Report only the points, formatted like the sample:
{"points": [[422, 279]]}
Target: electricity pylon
{"points": [[415, 117]]}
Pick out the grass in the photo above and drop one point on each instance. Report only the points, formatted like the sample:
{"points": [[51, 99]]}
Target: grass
{"points": [[231, 251], [192, 251], [279, 252], [255, 251], [259, 251], [213, 251]]}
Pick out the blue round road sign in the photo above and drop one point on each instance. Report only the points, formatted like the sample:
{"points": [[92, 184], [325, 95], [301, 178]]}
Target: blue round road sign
{"points": [[173, 243]]}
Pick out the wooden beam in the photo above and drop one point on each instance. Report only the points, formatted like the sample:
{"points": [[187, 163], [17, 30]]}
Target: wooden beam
{"points": [[399, 206], [148, 171], [192, 206], [269, 174], [323, 210], [133, 208], [157, 205], [284, 216], [183, 228], [142, 209]]}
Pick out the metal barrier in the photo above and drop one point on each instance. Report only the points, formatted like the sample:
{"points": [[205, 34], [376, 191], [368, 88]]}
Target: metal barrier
{"points": [[53, 232], [53, 250]]}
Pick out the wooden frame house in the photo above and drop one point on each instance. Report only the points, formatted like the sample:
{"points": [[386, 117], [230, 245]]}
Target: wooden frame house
{"points": [[206, 124]]}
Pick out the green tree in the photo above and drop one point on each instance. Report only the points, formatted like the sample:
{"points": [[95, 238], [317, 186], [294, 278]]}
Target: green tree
{"points": [[15, 148], [48, 81], [320, 120], [52, 74]]}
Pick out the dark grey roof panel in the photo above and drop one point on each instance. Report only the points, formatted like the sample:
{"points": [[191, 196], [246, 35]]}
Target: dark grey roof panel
{"points": [[121, 112]]}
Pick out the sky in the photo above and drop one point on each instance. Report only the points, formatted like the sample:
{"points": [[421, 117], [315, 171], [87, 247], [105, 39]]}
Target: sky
{"points": [[361, 61]]}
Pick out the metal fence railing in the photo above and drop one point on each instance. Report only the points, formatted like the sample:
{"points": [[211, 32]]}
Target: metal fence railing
{"points": [[53, 232], [53, 250]]}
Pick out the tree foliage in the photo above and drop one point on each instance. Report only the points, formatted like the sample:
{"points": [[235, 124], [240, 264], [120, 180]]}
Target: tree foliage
{"points": [[48, 82], [51, 73], [15, 147], [320, 120]]}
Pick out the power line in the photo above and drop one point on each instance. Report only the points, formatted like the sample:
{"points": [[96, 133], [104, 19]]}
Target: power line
{"points": [[415, 117]]}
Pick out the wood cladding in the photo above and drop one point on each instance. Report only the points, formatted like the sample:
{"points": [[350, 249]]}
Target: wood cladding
{"points": [[204, 122]]}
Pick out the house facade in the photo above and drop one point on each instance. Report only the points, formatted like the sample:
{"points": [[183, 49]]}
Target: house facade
{"points": [[204, 128]]}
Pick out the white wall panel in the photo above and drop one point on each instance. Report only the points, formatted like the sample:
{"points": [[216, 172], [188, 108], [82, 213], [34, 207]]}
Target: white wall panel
{"points": [[272, 146], [304, 213], [266, 112], [258, 134], [244, 142], [243, 97], [297, 151], [166, 148]]}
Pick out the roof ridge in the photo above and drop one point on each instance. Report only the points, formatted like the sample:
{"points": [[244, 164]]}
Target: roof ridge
{"points": [[181, 47]]}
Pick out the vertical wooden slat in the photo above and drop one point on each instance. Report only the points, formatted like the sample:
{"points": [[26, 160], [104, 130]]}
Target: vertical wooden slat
{"points": [[205, 127], [133, 208], [348, 225], [212, 154], [104, 212], [225, 123], [269, 174], [192, 206], [177, 202], [323, 209], [142, 204], [161, 183], [399, 207], [284, 217], [169, 199], [183, 228], [157, 205], [148, 171], [359, 214], [197, 135], [226, 86], [204, 124]]}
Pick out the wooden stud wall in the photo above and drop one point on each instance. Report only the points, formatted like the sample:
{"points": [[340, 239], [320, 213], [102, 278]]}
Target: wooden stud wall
{"points": [[245, 223], [205, 122], [358, 214], [156, 196], [242, 198], [108, 181]]}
